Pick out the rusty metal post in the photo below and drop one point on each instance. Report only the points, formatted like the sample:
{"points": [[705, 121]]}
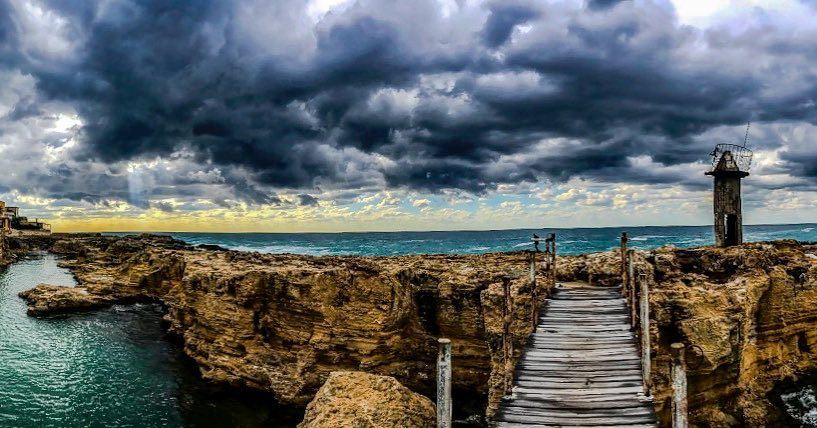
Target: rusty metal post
{"points": [[444, 407], [646, 363], [507, 341], [623, 271], [679, 387]]}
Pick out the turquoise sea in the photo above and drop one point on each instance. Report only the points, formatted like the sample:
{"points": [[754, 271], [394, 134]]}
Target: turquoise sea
{"points": [[113, 367], [569, 241], [116, 367]]}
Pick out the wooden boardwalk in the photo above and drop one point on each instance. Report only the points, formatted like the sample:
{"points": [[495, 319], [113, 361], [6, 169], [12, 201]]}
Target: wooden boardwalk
{"points": [[582, 366]]}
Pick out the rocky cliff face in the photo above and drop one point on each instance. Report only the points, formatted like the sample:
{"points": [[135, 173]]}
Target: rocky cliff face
{"points": [[4, 257], [283, 323], [747, 316]]}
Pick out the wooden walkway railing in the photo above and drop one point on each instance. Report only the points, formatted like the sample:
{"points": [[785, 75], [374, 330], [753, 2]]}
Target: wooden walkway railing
{"points": [[588, 362], [584, 365]]}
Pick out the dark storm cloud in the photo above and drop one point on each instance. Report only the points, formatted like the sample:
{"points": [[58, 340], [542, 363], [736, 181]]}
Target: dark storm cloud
{"points": [[307, 200], [502, 20], [386, 94], [603, 4]]}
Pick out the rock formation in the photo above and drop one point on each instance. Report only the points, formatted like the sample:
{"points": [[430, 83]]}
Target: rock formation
{"points": [[357, 399], [283, 323], [746, 314]]}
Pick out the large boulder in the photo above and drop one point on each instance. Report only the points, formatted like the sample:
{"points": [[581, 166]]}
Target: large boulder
{"points": [[362, 400]]}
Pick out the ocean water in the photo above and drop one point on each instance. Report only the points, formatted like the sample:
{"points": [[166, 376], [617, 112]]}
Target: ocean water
{"points": [[569, 241], [108, 368]]}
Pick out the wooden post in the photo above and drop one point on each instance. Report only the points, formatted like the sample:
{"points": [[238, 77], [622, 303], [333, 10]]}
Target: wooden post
{"points": [[624, 281], [646, 363], [679, 386], [507, 341], [444, 406], [532, 265], [534, 294], [633, 291], [553, 259]]}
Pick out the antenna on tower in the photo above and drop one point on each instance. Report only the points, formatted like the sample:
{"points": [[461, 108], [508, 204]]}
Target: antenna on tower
{"points": [[746, 137]]}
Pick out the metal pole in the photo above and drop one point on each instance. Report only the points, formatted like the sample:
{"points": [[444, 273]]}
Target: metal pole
{"points": [[679, 386], [507, 345], [444, 384], [646, 363]]}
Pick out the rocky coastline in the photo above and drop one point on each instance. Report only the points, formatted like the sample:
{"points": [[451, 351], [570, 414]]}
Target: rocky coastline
{"points": [[283, 323]]}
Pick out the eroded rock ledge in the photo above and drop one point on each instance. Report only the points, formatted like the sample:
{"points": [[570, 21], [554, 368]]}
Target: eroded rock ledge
{"points": [[283, 323]]}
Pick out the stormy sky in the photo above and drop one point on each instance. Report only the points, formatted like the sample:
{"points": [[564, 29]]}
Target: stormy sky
{"points": [[390, 115]]}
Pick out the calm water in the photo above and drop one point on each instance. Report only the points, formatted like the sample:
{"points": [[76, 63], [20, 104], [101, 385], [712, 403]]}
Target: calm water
{"points": [[108, 368], [570, 241]]}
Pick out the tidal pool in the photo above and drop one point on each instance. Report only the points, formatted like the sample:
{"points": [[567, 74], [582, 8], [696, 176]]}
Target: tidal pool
{"points": [[113, 367]]}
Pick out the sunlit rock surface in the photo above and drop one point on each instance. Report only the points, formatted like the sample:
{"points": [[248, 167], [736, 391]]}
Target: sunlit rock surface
{"points": [[283, 323], [357, 399], [747, 315]]}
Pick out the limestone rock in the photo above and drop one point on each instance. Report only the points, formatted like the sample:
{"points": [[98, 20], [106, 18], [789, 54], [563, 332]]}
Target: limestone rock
{"points": [[282, 323], [46, 299], [362, 400]]}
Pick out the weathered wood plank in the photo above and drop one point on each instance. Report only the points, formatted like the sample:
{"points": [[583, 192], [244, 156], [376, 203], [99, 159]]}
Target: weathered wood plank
{"points": [[535, 419], [581, 367]]}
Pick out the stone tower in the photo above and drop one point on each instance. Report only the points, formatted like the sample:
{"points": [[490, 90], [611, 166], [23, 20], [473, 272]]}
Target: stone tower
{"points": [[730, 165]]}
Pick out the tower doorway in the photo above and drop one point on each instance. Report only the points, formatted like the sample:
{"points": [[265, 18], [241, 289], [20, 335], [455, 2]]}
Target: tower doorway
{"points": [[731, 235]]}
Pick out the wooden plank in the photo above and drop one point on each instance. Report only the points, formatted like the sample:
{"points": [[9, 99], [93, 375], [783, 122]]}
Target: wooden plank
{"points": [[595, 380], [538, 403], [580, 375], [583, 391], [581, 413], [506, 424], [582, 351], [583, 345], [620, 420]]}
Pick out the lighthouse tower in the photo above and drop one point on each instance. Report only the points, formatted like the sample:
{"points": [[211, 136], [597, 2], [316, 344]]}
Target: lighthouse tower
{"points": [[730, 164]]}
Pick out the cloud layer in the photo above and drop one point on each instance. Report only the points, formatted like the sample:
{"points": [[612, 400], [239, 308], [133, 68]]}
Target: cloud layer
{"points": [[293, 103]]}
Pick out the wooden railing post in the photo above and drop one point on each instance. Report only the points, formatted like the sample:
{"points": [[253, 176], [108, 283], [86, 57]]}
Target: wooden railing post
{"points": [[552, 259], [679, 386], [646, 363], [507, 342], [623, 271], [632, 290], [534, 293], [444, 406]]}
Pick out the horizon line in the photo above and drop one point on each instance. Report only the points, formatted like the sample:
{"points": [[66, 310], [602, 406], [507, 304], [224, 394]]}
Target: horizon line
{"points": [[428, 231]]}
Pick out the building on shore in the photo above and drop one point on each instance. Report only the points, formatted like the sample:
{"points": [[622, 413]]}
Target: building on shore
{"points": [[730, 164], [13, 224]]}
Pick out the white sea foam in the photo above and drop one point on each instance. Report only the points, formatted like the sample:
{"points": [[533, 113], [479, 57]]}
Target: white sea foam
{"points": [[281, 249], [802, 406]]}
